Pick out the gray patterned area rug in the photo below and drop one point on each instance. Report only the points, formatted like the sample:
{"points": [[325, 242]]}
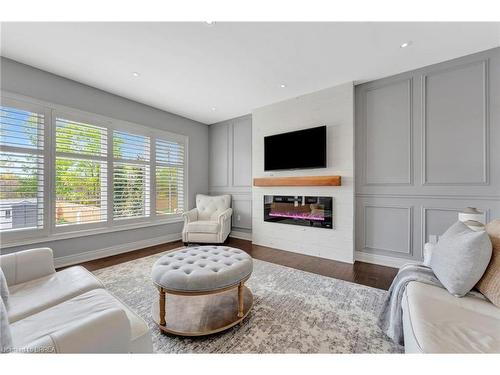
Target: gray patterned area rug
{"points": [[293, 312]]}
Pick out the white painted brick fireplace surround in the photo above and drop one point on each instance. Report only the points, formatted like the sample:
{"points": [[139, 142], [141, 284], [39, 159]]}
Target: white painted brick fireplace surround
{"points": [[333, 107]]}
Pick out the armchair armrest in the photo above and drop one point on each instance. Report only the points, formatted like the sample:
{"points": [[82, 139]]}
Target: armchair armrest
{"points": [[224, 215], [105, 332], [191, 215], [27, 265]]}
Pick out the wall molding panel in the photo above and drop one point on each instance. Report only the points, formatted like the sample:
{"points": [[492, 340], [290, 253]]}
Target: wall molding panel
{"points": [[231, 157], [453, 145], [408, 226], [483, 65], [408, 179], [426, 210]]}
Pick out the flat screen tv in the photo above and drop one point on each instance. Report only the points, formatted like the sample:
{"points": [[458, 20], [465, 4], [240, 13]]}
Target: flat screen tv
{"points": [[300, 149]]}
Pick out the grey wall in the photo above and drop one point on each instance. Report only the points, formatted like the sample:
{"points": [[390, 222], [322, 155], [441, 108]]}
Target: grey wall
{"points": [[25, 80], [230, 166], [427, 145]]}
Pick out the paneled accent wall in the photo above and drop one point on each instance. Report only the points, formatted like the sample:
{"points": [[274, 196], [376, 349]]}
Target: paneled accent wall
{"points": [[427, 145], [230, 167]]}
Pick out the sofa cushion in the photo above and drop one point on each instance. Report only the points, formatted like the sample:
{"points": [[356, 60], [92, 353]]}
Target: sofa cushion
{"points": [[441, 323], [460, 258], [35, 328], [489, 284], [36, 295], [203, 226]]}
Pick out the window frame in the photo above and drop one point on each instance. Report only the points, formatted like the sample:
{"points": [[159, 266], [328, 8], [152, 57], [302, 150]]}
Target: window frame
{"points": [[50, 231], [23, 233], [83, 118], [162, 164], [134, 219]]}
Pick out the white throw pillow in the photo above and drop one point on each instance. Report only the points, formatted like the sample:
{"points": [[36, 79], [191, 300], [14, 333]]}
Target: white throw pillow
{"points": [[4, 289], [460, 258]]}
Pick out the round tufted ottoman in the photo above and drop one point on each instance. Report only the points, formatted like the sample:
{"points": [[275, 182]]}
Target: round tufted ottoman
{"points": [[205, 287]]}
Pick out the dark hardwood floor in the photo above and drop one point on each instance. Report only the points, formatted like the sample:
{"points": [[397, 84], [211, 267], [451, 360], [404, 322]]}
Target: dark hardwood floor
{"points": [[361, 273]]}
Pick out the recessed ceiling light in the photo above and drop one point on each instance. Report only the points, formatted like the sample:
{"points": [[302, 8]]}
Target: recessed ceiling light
{"points": [[136, 74], [282, 85], [405, 44], [213, 109]]}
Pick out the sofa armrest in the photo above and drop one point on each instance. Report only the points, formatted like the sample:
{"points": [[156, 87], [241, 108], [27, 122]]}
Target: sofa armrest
{"points": [[105, 332], [224, 215], [27, 265], [191, 215]]}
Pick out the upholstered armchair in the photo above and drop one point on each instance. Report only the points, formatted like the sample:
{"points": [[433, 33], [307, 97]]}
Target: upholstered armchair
{"points": [[210, 221]]}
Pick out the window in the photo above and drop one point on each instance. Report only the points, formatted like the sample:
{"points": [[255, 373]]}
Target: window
{"points": [[22, 168], [131, 178], [64, 171], [80, 173], [169, 177]]}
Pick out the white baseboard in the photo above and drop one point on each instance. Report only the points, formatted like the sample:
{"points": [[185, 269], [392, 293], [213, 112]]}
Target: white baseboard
{"points": [[241, 235], [382, 260], [69, 260]]}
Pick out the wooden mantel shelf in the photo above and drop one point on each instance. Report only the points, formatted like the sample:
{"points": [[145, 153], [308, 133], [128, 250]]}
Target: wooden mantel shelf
{"points": [[298, 181]]}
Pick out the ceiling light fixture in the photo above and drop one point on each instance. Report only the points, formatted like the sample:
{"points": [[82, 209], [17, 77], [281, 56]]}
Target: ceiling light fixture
{"points": [[405, 44], [213, 109], [282, 85], [210, 22], [135, 74]]}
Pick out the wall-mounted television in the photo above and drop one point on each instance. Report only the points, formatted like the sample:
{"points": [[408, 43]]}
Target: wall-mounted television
{"points": [[302, 149]]}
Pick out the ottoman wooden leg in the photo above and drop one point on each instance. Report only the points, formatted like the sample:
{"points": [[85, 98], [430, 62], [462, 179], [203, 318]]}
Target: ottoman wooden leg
{"points": [[240, 300], [163, 297]]}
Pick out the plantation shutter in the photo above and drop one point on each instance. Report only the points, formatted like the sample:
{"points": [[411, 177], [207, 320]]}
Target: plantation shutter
{"points": [[81, 172], [131, 175], [169, 177], [21, 168]]}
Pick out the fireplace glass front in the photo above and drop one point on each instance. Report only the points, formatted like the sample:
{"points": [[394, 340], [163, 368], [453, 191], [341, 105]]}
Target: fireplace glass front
{"points": [[299, 210]]}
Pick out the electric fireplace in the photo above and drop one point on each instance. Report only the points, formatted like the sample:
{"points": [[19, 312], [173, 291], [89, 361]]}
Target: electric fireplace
{"points": [[299, 210]]}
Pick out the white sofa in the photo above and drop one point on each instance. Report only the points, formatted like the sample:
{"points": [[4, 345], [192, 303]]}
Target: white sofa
{"points": [[67, 311], [210, 221], [434, 321]]}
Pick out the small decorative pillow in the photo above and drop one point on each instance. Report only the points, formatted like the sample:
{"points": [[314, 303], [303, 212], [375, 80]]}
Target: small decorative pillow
{"points": [[4, 290], [460, 258], [5, 335], [489, 284]]}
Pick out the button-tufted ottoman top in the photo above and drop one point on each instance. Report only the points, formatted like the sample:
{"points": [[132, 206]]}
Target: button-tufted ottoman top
{"points": [[202, 268]]}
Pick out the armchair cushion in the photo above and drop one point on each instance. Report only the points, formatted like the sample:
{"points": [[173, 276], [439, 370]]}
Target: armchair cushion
{"points": [[36, 295], [96, 319], [105, 332], [27, 265], [209, 207], [203, 226]]}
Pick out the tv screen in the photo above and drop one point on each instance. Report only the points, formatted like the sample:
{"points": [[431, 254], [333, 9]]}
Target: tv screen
{"points": [[300, 149]]}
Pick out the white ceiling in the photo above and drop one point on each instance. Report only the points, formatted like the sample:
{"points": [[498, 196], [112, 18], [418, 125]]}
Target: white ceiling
{"points": [[189, 68]]}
